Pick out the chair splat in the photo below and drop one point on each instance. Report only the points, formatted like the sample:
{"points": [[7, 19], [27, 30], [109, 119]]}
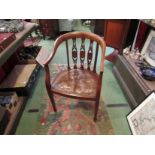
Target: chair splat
{"points": [[74, 54], [82, 53], [96, 55], [67, 52], [90, 54]]}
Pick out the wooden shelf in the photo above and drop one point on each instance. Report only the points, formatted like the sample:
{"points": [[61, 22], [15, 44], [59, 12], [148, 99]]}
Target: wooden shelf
{"points": [[149, 85], [20, 79], [135, 88], [20, 37], [24, 75], [19, 76], [15, 116]]}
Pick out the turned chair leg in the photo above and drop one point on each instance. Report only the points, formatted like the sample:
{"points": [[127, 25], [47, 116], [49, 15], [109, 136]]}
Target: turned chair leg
{"points": [[96, 109], [51, 96], [53, 102]]}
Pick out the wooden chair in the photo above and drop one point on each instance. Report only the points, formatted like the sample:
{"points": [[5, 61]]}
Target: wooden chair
{"points": [[77, 82]]}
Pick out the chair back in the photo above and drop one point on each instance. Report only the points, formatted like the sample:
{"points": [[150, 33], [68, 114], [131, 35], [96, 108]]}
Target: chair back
{"points": [[83, 55]]}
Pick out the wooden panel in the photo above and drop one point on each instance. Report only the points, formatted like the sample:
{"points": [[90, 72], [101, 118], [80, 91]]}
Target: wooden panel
{"points": [[99, 27], [19, 76], [49, 27], [2, 73], [45, 21], [149, 84], [133, 85], [115, 32]]}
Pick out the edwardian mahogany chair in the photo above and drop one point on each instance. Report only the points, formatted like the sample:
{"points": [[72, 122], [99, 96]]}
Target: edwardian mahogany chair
{"points": [[80, 81]]}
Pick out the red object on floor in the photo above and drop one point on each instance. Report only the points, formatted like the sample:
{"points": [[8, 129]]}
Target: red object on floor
{"points": [[113, 56], [6, 39]]}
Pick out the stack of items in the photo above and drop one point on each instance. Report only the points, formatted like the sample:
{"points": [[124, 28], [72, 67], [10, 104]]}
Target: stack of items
{"points": [[28, 54], [5, 101], [5, 40], [14, 25], [8, 100]]}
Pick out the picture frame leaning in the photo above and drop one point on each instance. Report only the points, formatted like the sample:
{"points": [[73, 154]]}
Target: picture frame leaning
{"points": [[142, 119], [148, 51]]}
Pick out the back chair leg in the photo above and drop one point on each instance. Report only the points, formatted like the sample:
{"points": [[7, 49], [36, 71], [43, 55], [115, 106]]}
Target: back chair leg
{"points": [[96, 109]]}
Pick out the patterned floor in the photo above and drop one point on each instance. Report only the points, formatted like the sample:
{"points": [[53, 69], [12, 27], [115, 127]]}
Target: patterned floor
{"points": [[73, 117]]}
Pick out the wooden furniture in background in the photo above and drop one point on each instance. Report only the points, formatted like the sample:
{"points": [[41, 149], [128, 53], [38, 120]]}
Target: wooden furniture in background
{"points": [[49, 27], [81, 82], [117, 33], [20, 79], [127, 73], [7, 62], [99, 27], [135, 87], [20, 37]]}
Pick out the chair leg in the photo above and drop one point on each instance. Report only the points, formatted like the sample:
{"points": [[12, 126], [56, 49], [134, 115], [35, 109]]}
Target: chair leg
{"points": [[96, 109], [52, 101]]}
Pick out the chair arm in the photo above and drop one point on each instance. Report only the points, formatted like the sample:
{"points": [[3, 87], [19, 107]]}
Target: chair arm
{"points": [[49, 58], [103, 47]]}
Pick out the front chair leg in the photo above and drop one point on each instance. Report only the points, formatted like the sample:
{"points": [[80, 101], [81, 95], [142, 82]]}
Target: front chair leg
{"points": [[96, 109], [51, 96]]}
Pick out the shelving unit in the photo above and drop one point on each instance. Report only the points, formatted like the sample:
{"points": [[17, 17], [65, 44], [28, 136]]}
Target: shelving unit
{"points": [[15, 115], [20, 79], [20, 37], [4, 56], [134, 86]]}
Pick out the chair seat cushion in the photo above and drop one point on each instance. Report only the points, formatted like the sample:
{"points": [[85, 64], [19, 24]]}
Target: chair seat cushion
{"points": [[76, 83]]}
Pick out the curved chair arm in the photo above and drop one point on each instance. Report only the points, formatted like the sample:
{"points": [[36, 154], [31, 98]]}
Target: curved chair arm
{"points": [[102, 56], [56, 44]]}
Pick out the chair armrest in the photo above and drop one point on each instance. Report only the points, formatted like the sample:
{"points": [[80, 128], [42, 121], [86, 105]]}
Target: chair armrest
{"points": [[103, 47], [42, 57]]}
